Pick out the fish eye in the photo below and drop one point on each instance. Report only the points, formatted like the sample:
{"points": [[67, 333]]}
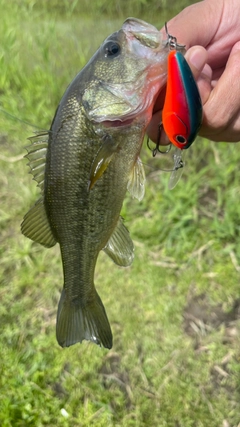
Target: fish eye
{"points": [[181, 139], [111, 49]]}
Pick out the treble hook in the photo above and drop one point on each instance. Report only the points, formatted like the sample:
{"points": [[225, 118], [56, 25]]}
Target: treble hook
{"points": [[157, 147]]}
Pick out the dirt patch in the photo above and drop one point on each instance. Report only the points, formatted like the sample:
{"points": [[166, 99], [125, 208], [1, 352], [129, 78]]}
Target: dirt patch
{"points": [[114, 376], [206, 323], [201, 317], [4, 140]]}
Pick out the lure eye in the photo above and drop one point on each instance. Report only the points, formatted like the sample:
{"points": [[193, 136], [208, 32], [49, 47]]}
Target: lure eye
{"points": [[181, 139], [112, 49]]}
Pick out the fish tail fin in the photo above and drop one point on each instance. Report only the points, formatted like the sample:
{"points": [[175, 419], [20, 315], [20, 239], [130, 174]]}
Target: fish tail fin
{"points": [[76, 322]]}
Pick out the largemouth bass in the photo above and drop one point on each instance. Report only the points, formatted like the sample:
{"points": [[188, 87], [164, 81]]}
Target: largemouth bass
{"points": [[86, 163]]}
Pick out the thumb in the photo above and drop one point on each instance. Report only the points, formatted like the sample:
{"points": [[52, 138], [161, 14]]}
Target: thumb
{"points": [[197, 57]]}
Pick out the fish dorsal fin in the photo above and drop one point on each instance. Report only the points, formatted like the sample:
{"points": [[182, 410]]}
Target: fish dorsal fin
{"points": [[37, 158], [102, 160], [36, 226], [136, 183], [120, 246]]}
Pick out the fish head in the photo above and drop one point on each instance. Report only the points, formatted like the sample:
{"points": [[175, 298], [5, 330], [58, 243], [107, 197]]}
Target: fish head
{"points": [[126, 75]]}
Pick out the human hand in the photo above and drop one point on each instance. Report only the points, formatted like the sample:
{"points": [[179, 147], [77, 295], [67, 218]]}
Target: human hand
{"points": [[215, 63]]}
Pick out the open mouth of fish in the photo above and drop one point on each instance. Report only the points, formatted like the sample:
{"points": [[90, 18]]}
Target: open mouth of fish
{"points": [[126, 100]]}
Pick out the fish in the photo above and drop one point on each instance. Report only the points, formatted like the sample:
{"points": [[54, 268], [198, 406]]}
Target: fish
{"points": [[84, 166]]}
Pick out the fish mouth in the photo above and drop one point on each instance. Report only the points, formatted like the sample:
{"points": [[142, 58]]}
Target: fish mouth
{"points": [[117, 123], [145, 33], [133, 98]]}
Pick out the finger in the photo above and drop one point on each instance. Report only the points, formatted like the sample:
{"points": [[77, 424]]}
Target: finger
{"points": [[216, 74], [152, 129], [197, 59], [160, 100], [196, 24], [222, 110]]}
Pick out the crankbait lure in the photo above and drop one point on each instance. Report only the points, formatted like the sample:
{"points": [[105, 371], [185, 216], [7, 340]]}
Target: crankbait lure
{"points": [[182, 110]]}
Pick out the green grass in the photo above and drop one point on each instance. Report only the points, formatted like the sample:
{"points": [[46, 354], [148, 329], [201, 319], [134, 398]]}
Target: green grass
{"points": [[174, 312]]}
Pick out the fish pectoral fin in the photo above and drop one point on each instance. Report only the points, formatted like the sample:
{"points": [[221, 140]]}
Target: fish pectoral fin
{"points": [[36, 154], [36, 226], [76, 322], [136, 183], [102, 160], [120, 246]]}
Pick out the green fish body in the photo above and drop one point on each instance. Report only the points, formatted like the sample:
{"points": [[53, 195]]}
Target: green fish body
{"points": [[85, 165]]}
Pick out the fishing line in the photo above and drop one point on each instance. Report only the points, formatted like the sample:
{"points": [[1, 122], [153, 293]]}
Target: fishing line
{"points": [[21, 121], [153, 150]]}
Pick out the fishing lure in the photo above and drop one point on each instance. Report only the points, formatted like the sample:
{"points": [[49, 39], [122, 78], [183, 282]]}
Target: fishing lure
{"points": [[182, 110]]}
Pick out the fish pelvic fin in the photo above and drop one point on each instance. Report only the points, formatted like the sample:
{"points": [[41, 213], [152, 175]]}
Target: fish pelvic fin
{"points": [[137, 179], [36, 225], [77, 322]]}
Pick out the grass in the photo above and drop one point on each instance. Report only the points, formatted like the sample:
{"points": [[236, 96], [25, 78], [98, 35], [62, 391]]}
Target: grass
{"points": [[174, 312]]}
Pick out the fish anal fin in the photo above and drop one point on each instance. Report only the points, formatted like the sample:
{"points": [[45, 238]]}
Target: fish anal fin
{"points": [[120, 247], [76, 322], [36, 226], [102, 160], [137, 179]]}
